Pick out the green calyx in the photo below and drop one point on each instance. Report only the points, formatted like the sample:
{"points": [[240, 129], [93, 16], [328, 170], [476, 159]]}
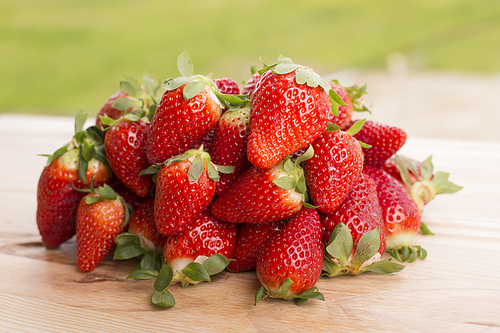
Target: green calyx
{"points": [[338, 260], [355, 128], [196, 272], [141, 96], [294, 178], [199, 161], [356, 93], [305, 75], [134, 116], [194, 84], [408, 253], [89, 142], [283, 292]]}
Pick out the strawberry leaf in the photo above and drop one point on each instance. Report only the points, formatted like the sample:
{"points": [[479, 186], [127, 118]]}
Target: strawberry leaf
{"points": [[332, 127], [333, 95], [130, 85], [307, 155], [151, 260], [442, 185], [150, 84], [284, 288], [143, 274], [425, 230], [384, 267], [196, 169], [289, 166], [258, 295], [163, 299], [126, 237], [330, 268], [185, 64], [340, 244], [312, 293], [356, 127], [107, 193], [125, 103], [225, 168], [193, 88], [172, 84], [164, 278], [286, 182], [301, 185], [215, 264], [80, 120], [91, 200], [196, 272], [368, 245], [426, 169], [127, 251]]}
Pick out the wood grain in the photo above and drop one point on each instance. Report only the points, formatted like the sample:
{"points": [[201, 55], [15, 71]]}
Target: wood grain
{"points": [[457, 288]]}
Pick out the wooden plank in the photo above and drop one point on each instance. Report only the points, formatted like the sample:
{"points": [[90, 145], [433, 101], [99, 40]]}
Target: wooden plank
{"points": [[455, 289]]}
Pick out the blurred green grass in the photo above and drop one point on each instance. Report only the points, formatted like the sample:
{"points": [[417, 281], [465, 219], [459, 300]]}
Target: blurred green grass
{"points": [[60, 56]]}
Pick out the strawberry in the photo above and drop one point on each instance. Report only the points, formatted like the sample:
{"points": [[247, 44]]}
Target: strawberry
{"points": [[290, 108], [131, 97], [102, 215], [345, 111], [127, 194], [206, 142], [185, 186], [250, 85], [335, 167], [142, 222], [227, 86], [251, 239], [126, 151], [70, 167], [188, 110], [204, 237], [263, 195], [290, 265], [229, 145], [384, 140], [400, 213], [354, 235]]}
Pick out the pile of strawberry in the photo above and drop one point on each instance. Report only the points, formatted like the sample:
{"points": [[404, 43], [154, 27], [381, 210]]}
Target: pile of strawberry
{"points": [[278, 179]]}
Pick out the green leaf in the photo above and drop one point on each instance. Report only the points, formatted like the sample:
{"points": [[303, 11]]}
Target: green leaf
{"points": [[333, 95], [196, 272], [143, 274], [172, 84], [225, 169], [106, 192], [150, 83], [368, 245], [193, 88], [94, 135], [82, 167], [330, 268], [426, 168], [258, 295], [301, 185], [88, 151], [384, 267], [442, 185], [406, 253], [164, 278], [284, 60], [289, 166], [212, 171], [312, 293], [356, 127], [185, 64], [127, 251], [196, 169], [125, 103], [308, 205], [89, 200], [151, 260], [340, 244], [58, 153], [286, 182], [215, 264], [307, 155], [335, 107], [163, 299], [425, 230], [306, 76], [332, 127], [80, 120], [364, 145], [130, 85], [284, 288]]}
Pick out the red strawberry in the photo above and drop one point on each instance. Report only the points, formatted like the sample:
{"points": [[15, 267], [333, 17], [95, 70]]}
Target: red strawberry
{"points": [[345, 111], [290, 109], [100, 218], [204, 237], [206, 141], [335, 167], [292, 261], [229, 145], [401, 214], [185, 186], [68, 168], [131, 97], [142, 222], [263, 195], [227, 86], [127, 194], [250, 241], [250, 85], [354, 234], [126, 151], [384, 140], [188, 111]]}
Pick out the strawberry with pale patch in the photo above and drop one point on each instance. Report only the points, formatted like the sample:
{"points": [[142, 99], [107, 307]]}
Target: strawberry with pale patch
{"points": [[291, 106], [291, 263]]}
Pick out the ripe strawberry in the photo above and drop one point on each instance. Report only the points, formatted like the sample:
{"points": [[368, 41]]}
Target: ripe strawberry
{"points": [[263, 195], [70, 167], [131, 97], [206, 141], [227, 86], [291, 263], [384, 140], [345, 111], [204, 237], [188, 110], [127, 194], [229, 145], [185, 186], [335, 167], [354, 235], [251, 239], [291, 106], [250, 85], [401, 215], [100, 218], [126, 151], [142, 222]]}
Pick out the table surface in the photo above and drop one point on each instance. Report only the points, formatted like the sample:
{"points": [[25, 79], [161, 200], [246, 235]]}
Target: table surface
{"points": [[457, 288]]}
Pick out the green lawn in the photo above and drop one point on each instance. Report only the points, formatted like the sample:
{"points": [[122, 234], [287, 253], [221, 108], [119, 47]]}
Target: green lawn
{"points": [[58, 56]]}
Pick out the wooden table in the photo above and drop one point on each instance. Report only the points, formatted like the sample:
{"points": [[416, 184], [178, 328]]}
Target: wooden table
{"points": [[457, 288]]}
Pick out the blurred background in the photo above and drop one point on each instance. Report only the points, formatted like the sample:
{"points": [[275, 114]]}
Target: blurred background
{"points": [[431, 67]]}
